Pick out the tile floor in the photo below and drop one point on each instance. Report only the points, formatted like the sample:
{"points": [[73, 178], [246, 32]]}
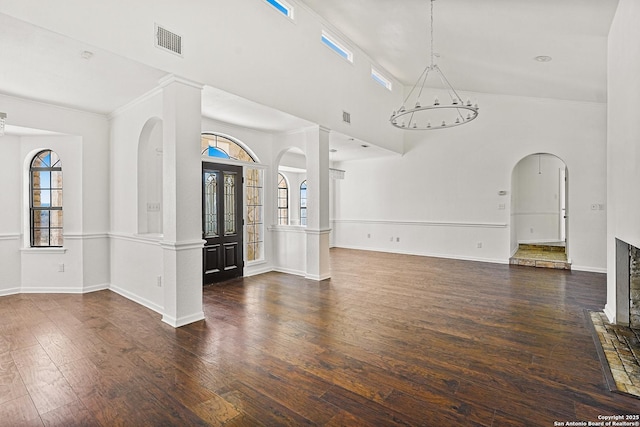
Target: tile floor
{"points": [[621, 346]]}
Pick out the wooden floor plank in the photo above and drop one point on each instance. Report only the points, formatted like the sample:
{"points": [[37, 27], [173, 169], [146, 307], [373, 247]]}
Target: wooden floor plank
{"points": [[389, 340]]}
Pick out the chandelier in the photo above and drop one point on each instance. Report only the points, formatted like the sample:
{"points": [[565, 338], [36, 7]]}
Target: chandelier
{"points": [[416, 114]]}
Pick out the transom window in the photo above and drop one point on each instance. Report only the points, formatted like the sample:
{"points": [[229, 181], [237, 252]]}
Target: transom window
{"points": [[303, 203], [45, 203], [283, 200], [224, 148]]}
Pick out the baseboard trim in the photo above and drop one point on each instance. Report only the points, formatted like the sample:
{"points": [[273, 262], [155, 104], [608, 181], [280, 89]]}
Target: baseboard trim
{"points": [[289, 271], [426, 254], [318, 278], [95, 288], [182, 321], [137, 299], [588, 269], [257, 271], [10, 291], [56, 290]]}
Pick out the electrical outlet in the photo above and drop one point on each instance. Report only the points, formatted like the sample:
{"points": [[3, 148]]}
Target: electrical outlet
{"points": [[397, 239], [61, 268], [159, 281], [479, 245]]}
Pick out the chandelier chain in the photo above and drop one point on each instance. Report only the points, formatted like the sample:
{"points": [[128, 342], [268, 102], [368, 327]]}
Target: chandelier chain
{"points": [[431, 27]]}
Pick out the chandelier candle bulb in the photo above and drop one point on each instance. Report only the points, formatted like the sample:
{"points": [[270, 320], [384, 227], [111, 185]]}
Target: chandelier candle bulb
{"points": [[436, 101]]}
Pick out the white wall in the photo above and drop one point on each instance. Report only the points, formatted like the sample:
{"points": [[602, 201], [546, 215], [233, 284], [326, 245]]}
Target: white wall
{"points": [[82, 144], [11, 215], [535, 209], [623, 138], [136, 259], [441, 197]]}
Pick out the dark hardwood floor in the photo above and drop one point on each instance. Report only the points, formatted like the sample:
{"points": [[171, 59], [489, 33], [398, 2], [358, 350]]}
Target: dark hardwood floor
{"points": [[390, 340]]}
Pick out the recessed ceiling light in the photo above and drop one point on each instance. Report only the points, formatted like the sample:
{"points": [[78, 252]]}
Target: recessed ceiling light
{"points": [[364, 146], [543, 58], [333, 150]]}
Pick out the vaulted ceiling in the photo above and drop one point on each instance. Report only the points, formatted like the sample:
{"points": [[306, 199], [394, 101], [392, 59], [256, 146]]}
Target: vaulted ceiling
{"points": [[484, 46]]}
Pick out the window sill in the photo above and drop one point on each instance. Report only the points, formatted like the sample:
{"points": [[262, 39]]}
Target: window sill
{"points": [[44, 250]]}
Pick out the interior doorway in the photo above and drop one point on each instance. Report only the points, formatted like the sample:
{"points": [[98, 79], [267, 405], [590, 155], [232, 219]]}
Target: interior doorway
{"points": [[222, 224], [539, 212]]}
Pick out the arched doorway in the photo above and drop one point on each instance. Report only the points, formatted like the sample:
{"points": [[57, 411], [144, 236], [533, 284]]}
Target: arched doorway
{"points": [[539, 212]]}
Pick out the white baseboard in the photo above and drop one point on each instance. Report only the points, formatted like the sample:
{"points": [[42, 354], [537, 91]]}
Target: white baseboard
{"points": [[10, 291], [431, 255], [136, 298], [54, 290], [184, 320], [589, 269], [318, 278], [256, 271], [610, 314], [289, 271]]}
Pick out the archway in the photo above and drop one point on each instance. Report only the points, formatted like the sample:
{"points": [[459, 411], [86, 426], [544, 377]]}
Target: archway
{"points": [[150, 178], [539, 212], [292, 165]]}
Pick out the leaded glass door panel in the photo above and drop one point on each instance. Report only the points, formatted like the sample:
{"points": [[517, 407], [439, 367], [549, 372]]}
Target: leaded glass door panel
{"points": [[221, 222]]}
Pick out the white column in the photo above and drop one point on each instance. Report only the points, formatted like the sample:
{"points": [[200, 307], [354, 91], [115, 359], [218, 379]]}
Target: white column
{"points": [[318, 229], [182, 201]]}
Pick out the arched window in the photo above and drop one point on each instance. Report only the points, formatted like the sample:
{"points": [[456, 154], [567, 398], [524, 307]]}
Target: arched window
{"points": [[45, 205], [221, 147], [303, 203], [283, 200]]}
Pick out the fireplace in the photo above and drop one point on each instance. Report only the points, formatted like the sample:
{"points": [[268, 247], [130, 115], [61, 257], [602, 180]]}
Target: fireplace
{"points": [[627, 284]]}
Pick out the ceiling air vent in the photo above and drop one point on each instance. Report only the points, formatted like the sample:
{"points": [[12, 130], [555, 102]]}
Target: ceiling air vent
{"points": [[168, 40], [346, 117]]}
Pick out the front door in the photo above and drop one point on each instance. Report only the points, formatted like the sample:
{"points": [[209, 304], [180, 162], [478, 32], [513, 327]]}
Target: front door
{"points": [[221, 222]]}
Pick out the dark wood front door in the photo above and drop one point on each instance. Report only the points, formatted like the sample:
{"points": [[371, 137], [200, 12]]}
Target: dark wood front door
{"points": [[221, 222]]}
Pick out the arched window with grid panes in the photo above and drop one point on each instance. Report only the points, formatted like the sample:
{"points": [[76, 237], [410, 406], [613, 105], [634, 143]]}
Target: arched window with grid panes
{"points": [[283, 200], [45, 200], [303, 203]]}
